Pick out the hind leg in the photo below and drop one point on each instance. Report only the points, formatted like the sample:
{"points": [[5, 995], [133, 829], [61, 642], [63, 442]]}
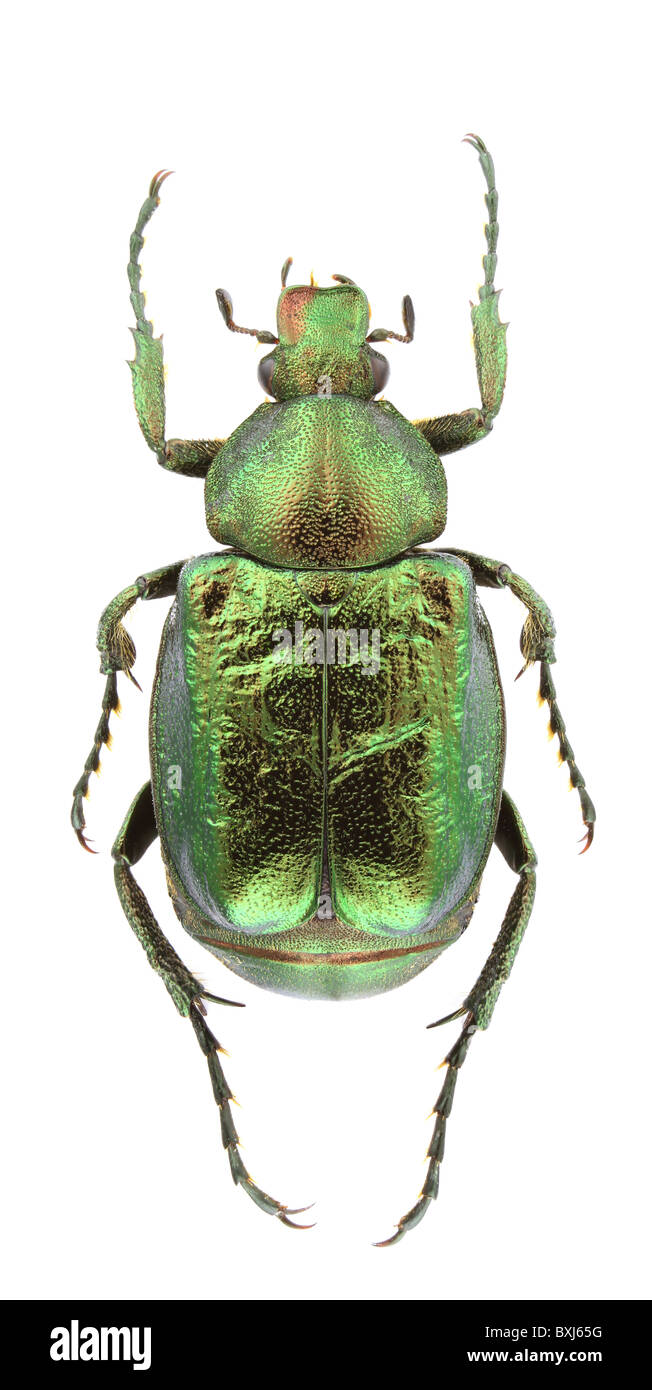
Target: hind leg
{"points": [[513, 842], [138, 832]]}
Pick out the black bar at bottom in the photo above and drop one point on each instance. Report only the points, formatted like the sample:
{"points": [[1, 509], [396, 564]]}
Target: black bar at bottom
{"points": [[201, 1339]]}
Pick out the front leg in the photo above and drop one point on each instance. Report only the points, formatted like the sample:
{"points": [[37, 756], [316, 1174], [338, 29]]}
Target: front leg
{"points": [[191, 457], [537, 644], [447, 433], [117, 653]]}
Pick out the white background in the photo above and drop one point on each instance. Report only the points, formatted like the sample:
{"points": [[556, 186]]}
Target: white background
{"points": [[330, 132]]}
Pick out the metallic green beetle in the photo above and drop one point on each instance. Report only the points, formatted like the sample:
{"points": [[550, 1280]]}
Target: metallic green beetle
{"points": [[327, 722]]}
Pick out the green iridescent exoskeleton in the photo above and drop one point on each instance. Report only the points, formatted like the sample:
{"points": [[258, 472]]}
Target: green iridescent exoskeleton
{"points": [[302, 780], [327, 728]]}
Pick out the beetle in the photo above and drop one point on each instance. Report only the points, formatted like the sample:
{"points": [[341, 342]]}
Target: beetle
{"points": [[327, 728]]}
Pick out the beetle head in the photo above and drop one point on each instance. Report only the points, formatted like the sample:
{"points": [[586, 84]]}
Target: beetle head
{"points": [[324, 344]]}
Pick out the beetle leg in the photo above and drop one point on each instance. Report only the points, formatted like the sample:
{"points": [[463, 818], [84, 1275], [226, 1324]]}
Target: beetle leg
{"points": [[137, 833], [557, 726], [110, 702], [230, 1139], [191, 457], [147, 367], [537, 644], [447, 433], [489, 334], [117, 653], [513, 841]]}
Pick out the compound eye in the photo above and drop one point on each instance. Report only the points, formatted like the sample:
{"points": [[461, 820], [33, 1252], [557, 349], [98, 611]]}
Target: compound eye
{"points": [[379, 371], [265, 374]]}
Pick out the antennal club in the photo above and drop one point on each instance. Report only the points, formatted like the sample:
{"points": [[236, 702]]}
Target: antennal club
{"points": [[225, 306], [380, 335]]}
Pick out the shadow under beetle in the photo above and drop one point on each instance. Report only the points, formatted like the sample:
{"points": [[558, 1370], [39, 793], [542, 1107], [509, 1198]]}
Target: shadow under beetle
{"points": [[325, 820]]}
